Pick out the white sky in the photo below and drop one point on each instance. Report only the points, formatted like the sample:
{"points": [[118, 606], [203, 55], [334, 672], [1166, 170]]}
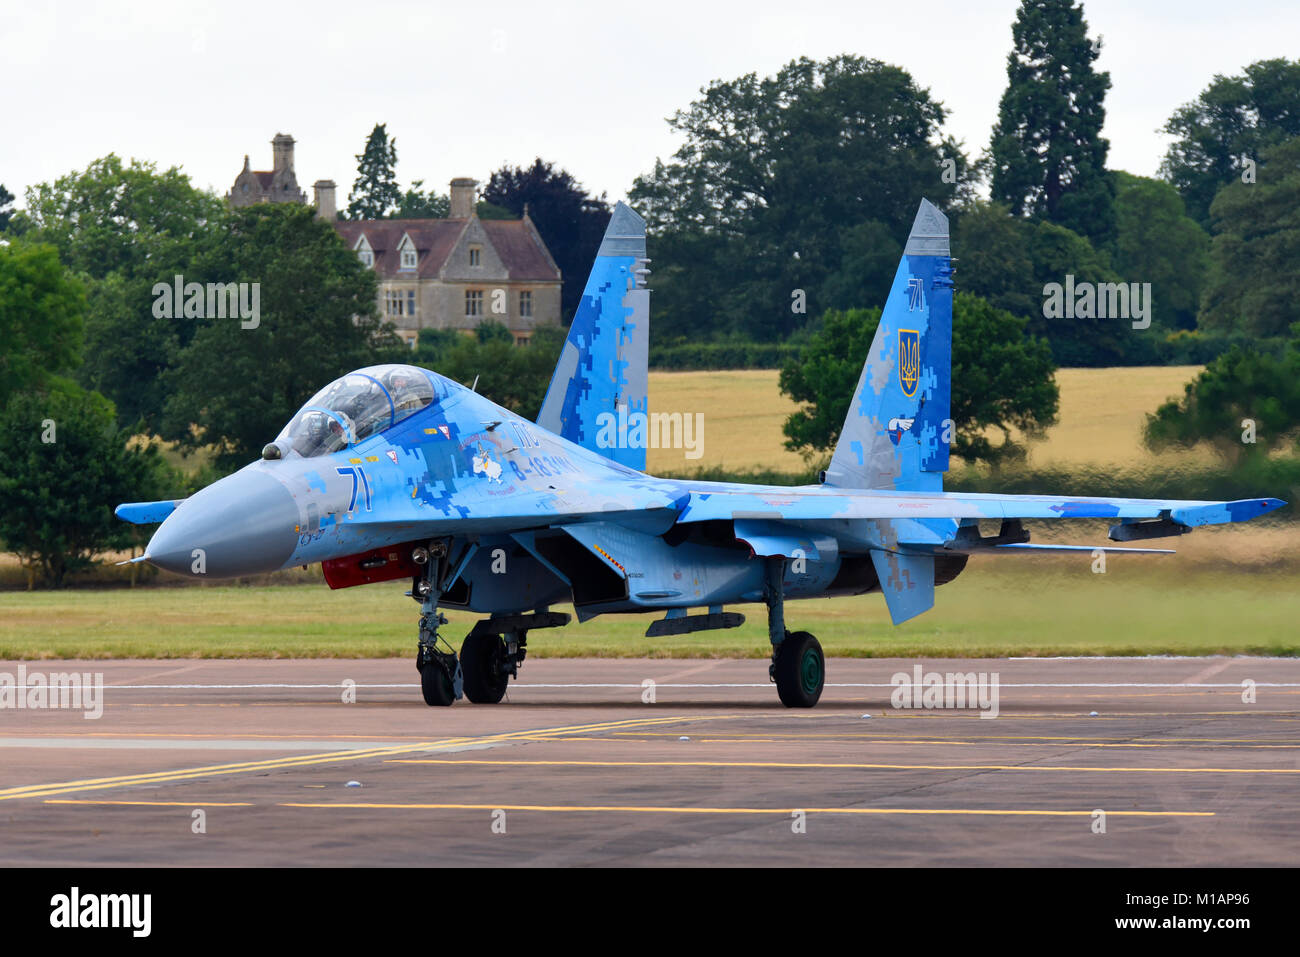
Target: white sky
{"points": [[465, 87]]}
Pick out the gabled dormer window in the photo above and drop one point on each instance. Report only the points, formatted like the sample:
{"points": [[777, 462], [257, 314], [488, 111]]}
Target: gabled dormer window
{"points": [[476, 255], [365, 253], [409, 255]]}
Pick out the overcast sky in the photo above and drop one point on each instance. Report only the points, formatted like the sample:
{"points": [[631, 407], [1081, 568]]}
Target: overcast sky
{"points": [[465, 87]]}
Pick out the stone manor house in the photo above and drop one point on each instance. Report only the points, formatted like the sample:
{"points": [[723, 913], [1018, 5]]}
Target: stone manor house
{"points": [[452, 273]]}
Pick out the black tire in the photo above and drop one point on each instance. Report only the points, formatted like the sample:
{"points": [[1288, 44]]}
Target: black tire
{"points": [[436, 685], [800, 670], [481, 660]]}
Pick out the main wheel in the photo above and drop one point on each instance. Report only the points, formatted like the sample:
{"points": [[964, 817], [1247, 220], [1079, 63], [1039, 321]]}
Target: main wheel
{"points": [[800, 670], [436, 685], [482, 663]]}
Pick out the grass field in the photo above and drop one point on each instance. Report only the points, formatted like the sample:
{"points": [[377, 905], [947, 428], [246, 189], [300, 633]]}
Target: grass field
{"points": [[1101, 417], [1233, 593]]}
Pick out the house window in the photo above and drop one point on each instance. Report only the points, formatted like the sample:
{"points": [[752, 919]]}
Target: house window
{"points": [[395, 303], [365, 253], [408, 258], [521, 340], [525, 304], [476, 255], [410, 302], [474, 302]]}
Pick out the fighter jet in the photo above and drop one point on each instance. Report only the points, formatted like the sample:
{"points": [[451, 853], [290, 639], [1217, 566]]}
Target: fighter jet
{"points": [[396, 472]]}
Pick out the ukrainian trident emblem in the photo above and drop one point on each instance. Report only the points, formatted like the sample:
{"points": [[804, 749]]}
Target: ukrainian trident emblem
{"points": [[909, 360]]}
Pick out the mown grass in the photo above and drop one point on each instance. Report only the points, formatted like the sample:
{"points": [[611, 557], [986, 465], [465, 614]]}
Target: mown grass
{"points": [[1005, 605]]}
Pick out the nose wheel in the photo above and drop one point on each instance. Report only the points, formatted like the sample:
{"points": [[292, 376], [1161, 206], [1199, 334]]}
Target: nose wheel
{"points": [[441, 678]]}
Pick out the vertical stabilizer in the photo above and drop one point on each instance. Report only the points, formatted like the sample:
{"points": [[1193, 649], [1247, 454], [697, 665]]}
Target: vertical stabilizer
{"points": [[898, 427], [599, 389]]}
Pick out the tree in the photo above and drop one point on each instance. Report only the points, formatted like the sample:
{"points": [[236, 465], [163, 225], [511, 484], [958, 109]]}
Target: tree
{"points": [[570, 221], [234, 387], [1047, 154], [41, 309], [1010, 261], [375, 193], [123, 228], [1244, 404], [111, 218], [1235, 119], [1159, 243], [1056, 253], [416, 204], [6, 207], [1001, 379], [1253, 285], [66, 465], [515, 377], [774, 177], [995, 260], [867, 264]]}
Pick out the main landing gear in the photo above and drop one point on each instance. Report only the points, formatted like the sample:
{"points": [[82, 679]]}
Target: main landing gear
{"points": [[491, 653], [798, 666]]}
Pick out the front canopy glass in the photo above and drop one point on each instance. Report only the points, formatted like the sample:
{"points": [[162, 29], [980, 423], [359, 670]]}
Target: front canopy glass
{"points": [[357, 406]]}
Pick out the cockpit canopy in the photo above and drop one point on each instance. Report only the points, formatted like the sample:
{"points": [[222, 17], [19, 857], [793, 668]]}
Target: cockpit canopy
{"points": [[357, 406]]}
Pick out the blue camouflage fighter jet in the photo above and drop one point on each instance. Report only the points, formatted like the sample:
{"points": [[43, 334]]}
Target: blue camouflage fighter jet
{"points": [[396, 472]]}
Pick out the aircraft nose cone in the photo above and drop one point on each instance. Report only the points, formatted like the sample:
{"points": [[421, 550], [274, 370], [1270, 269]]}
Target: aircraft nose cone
{"points": [[244, 524]]}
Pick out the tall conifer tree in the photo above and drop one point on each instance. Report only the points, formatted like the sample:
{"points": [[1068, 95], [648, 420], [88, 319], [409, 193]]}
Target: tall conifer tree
{"points": [[1048, 156]]}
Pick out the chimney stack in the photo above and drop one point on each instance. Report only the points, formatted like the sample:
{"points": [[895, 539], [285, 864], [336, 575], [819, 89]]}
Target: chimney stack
{"points": [[282, 151], [463, 191], [325, 208]]}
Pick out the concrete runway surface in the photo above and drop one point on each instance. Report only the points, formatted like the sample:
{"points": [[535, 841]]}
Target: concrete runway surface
{"points": [[575, 768]]}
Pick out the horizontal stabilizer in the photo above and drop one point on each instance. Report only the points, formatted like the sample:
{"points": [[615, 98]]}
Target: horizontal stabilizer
{"points": [[146, 513]]}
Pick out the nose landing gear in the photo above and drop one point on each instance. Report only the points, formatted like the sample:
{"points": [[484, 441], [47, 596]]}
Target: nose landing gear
{"points": [[441, 679]]}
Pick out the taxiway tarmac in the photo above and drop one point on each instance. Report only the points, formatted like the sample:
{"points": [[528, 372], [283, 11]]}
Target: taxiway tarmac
{"points": [[578, 767]]}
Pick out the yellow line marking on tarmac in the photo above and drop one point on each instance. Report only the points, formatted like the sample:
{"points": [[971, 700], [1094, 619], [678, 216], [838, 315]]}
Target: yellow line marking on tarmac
{"points": [[812, 765], [988, 743], [271, 764], [37, 735], [1007, 715], [154, 803], [941, 739], [983, 742], [740, 810]]}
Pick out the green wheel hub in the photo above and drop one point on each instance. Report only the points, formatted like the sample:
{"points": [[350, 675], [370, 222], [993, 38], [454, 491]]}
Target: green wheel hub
{"points": [[810, 670], [799, 670]]}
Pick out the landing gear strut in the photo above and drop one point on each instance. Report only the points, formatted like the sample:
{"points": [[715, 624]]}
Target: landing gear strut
{"points": [[491, 653], [441, 679], [798, 666]]}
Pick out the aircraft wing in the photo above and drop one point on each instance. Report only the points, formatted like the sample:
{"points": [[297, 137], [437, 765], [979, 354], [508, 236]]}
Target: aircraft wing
{"points": [[815, 503], [907, 534]]}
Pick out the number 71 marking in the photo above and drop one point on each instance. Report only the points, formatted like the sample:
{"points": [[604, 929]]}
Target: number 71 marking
{"points": [[365, 486]]}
